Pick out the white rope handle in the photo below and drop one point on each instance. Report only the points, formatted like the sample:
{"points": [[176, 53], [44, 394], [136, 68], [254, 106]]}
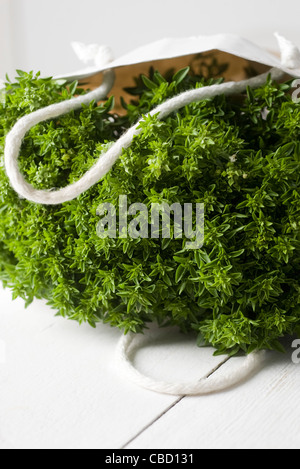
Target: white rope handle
{"points": [[129, 344], [106, 160], [16, 135]]}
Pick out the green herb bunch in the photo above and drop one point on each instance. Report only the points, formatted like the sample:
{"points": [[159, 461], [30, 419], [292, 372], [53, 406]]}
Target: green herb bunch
{"points": [[240, 156]]}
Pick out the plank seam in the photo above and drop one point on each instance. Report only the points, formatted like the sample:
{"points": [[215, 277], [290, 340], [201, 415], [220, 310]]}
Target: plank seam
{"points": [[170, 407]]}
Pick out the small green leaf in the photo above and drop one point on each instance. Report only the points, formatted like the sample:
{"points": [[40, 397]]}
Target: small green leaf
{"points": [[159, 78], [181, 75], [73, 87], [237, 253], [201, 341], [179, 273], [110, 104], [276, 345], [149, 83]]}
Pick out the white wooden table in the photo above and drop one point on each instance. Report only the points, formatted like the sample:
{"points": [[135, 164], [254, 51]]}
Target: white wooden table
{"points": [[60, 389]]}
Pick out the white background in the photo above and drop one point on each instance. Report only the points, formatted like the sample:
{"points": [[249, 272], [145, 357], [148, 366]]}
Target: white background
{"points": [[36, 34]]}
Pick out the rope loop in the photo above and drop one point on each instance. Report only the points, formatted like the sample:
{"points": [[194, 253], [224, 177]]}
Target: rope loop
{"points": [[216, 382]]}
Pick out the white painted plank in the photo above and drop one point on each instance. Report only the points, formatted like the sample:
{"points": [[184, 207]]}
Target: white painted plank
{"points": [[59, 387], [262, 413]]}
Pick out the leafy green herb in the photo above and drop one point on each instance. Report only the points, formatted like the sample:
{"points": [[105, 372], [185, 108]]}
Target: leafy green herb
{"points": [[241, 290]]}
